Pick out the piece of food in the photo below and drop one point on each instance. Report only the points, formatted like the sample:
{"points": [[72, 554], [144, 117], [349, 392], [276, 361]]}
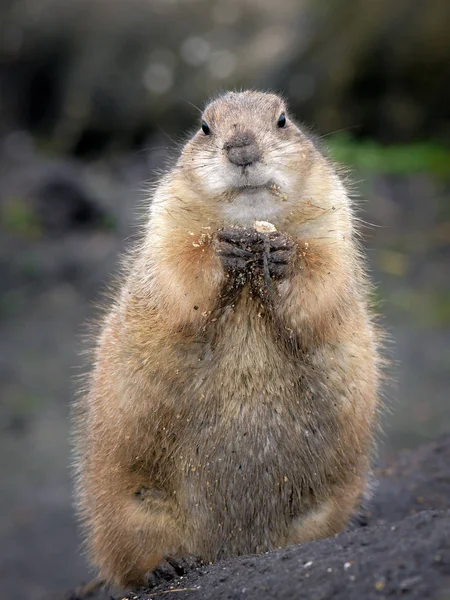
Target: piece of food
{"points": [[264, 227]]}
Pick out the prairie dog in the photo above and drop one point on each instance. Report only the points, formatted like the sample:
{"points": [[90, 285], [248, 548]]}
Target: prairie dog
{"points": [[234, 393]]}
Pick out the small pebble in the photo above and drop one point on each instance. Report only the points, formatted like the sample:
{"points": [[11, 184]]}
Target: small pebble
{"points": [[379, 584]]}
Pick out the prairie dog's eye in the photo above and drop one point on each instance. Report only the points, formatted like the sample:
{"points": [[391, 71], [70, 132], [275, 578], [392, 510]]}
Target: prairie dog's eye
{"points": [[281, 120], [205, 128]]}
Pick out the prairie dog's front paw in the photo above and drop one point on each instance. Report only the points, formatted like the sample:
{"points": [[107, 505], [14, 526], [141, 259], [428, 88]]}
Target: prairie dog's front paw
{"points": [[248, 254], [281, 251], [239, 249]]}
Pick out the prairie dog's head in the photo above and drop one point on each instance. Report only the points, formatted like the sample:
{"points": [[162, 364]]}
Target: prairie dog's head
{"points": [[248, 156]]}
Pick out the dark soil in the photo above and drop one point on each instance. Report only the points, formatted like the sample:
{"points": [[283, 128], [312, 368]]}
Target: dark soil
{"points": [[400, 549]]}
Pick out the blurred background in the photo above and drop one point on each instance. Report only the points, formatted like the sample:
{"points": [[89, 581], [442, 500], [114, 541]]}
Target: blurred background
{"points": [[94, 95]]}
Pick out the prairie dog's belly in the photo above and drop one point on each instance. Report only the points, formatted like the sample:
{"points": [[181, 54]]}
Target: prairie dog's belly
{"points": [[244, 486], [253, 457]]}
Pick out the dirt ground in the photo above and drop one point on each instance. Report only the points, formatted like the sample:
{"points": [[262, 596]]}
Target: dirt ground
{"points": [[400, 548]]}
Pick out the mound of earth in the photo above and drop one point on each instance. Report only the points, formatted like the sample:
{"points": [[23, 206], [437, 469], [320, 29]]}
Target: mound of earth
{"points": [[400, 549]]}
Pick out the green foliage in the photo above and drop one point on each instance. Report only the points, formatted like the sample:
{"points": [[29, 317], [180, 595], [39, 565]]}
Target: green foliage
{"points": [[402, 159], [428, 308], [18, 217], [108, 222]]}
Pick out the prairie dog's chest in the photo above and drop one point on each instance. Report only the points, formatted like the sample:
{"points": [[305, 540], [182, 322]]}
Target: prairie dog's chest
{"points": [[245, 347], [239, 354]]}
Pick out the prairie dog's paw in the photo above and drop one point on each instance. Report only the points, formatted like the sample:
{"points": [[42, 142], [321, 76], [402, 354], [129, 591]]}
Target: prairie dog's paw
{"points": [[281, 252], [249, 253], [238, 249]]}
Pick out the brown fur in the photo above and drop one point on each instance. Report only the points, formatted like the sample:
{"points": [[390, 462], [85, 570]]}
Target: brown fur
{"points": [[214, 424]]}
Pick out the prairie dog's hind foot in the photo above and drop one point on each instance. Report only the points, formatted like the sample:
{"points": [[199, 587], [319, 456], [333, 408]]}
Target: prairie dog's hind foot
{"points": [[171, 567]]}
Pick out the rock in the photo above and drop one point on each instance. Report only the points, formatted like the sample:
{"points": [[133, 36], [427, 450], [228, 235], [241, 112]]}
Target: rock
{"points": [[404, 551]]}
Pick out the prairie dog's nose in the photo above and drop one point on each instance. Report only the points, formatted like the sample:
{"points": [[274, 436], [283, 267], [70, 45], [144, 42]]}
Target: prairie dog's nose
{"points": [[242, 149]]}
